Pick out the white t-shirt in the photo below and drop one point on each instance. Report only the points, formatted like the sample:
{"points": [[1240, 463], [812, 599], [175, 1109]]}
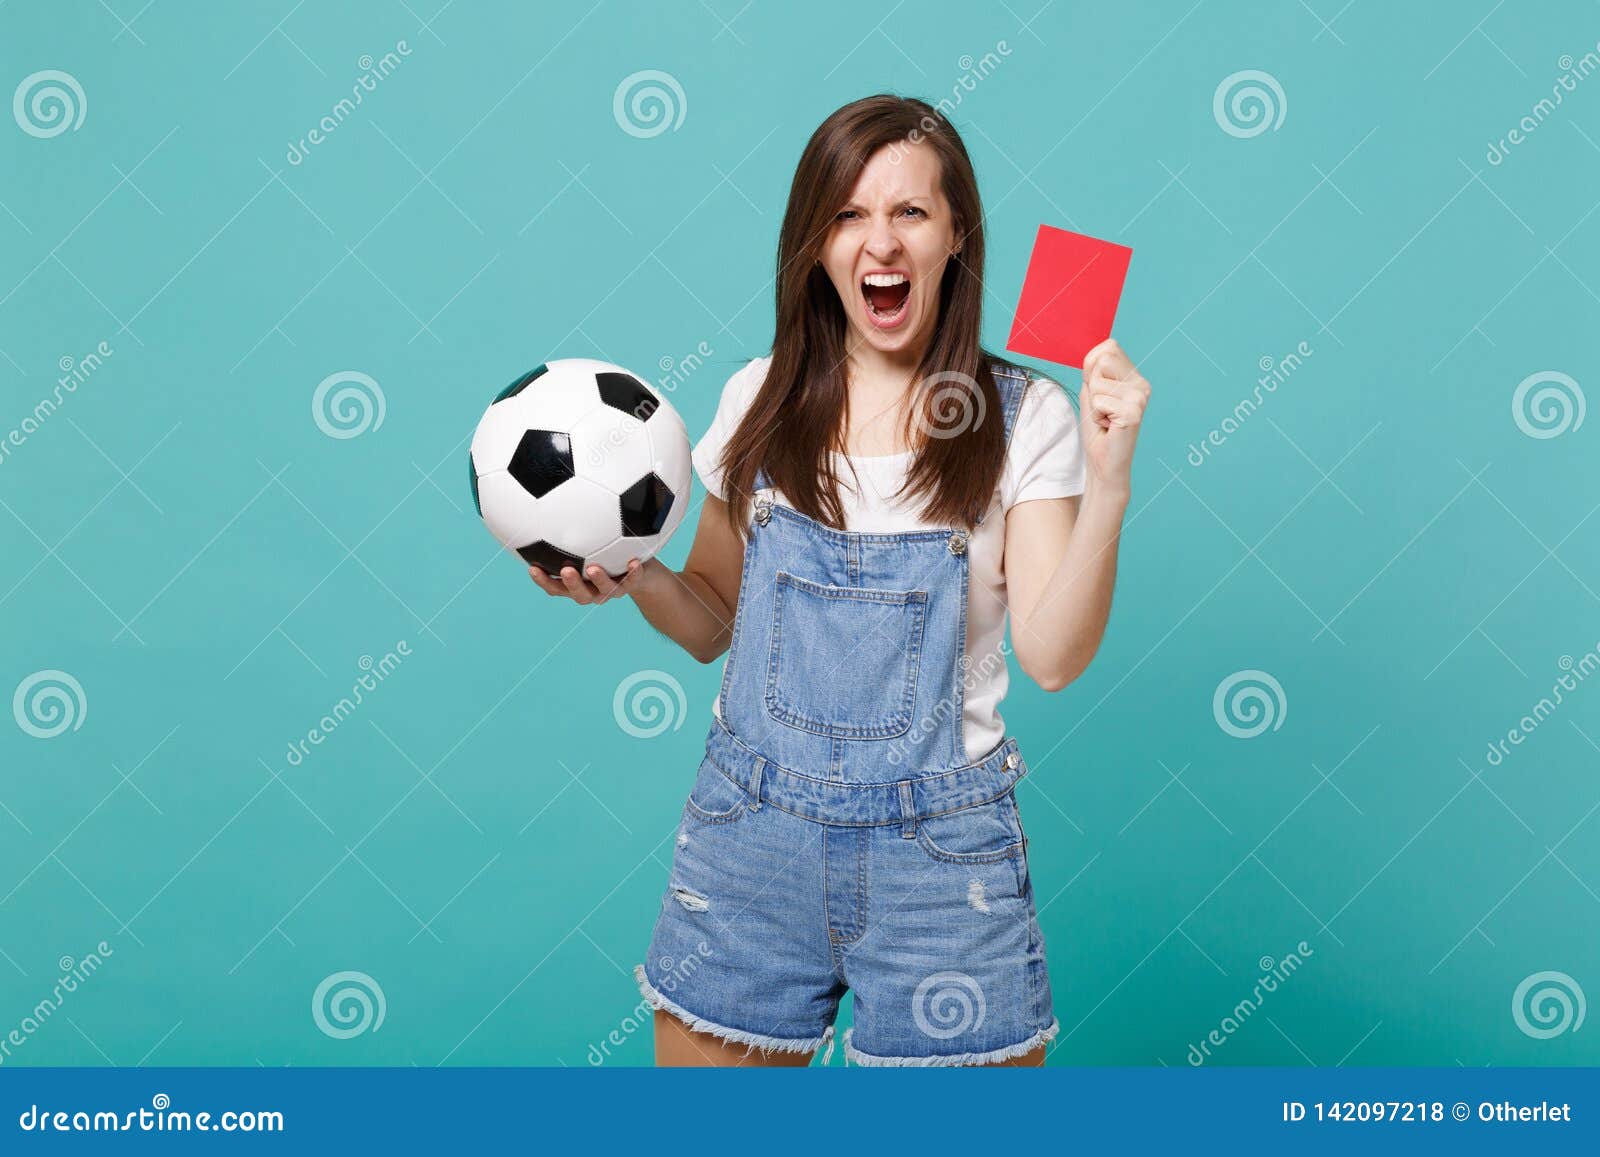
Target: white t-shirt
{"points": [[1045, 460]]}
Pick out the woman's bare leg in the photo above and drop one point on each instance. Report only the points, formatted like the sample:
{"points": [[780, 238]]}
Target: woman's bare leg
{"points": [[679, 1046]]}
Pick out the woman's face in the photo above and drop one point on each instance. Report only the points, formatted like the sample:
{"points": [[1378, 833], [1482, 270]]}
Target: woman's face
{"points": [[888, 247]]}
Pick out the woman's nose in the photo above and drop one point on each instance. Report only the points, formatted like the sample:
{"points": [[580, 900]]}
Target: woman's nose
{"points": [[883, 242]]}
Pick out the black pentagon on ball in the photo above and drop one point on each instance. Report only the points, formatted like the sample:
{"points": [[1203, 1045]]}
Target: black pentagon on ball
{"points": [[472, 473], [626, 393], [543, 461], [645, 506], [549, 558], [520, 384]]}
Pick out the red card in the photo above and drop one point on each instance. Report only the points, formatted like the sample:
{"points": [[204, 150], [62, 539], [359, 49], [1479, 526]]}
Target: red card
{"points": [[1069, 296]]}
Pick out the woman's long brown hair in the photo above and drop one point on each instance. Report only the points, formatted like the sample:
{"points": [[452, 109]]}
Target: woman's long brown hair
{"points": [[954, 426]]}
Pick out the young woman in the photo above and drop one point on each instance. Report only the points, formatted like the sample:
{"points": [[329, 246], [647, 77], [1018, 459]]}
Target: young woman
{"points": [[881, 493]]}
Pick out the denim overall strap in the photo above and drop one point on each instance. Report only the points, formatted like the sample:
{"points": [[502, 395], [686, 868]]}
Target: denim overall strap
{"points": [[843, 691]]}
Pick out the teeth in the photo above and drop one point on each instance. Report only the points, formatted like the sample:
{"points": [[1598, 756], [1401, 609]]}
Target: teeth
{"points": [[884, 279]]}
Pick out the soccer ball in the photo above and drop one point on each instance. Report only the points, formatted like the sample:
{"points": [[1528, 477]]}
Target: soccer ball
{"points": [[578, 462]]}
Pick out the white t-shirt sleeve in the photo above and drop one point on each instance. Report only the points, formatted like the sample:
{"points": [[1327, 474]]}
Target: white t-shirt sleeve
{"points": [[737, 395], [1046, 455]]}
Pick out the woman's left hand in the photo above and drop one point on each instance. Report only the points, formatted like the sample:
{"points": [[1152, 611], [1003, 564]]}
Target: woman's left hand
{"points": [[1111, 406]]}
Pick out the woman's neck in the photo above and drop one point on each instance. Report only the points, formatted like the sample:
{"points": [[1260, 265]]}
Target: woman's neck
{"points": [[878, 384]]}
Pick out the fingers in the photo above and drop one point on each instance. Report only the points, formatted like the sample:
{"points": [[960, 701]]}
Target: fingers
{"points": [[1118, 403], [1109, 360], [545, 583], [596, 587]]}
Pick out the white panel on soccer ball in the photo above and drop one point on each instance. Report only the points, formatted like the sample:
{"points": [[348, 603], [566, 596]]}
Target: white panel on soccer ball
{"points": [[555, 401], [579, 517], [510, 512], [496, 438], [611, 448], [670, 454], [613, 559]]}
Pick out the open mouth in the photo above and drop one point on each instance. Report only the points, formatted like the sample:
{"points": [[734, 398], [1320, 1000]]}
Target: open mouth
{"points": [[886, 296]]}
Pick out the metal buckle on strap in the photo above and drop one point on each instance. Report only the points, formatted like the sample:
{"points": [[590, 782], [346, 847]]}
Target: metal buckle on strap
{"points": [[763, 509], [958, 542]]}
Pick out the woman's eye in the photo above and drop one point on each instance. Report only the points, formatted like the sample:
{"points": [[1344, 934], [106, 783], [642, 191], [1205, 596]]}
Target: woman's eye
{"points": [[846, 215], [912, 210]]}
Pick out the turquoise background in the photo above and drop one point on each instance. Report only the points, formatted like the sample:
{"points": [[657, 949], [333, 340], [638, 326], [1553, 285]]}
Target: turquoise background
{"points": [[482, 838]]}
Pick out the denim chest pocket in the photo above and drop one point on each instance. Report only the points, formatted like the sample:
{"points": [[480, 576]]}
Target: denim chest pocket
{"points": [[844, 660]]}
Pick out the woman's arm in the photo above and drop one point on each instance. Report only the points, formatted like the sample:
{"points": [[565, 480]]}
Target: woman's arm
{"points": [[693, 607], [1061, 553], [1061, 566]]}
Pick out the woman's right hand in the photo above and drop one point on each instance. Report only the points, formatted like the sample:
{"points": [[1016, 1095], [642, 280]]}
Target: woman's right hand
{"points": [[595, 586]]}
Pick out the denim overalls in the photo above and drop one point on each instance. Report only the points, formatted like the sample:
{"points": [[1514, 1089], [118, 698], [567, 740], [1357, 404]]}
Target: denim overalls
{"points": [[808, 860]]}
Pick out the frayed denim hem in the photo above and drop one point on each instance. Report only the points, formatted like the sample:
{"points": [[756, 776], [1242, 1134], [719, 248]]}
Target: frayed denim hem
{"points": [[853, 1055], [751, 1040]]}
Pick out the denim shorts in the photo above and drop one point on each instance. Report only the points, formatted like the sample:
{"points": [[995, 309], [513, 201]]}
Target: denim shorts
{"points": [[921, 906]]}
